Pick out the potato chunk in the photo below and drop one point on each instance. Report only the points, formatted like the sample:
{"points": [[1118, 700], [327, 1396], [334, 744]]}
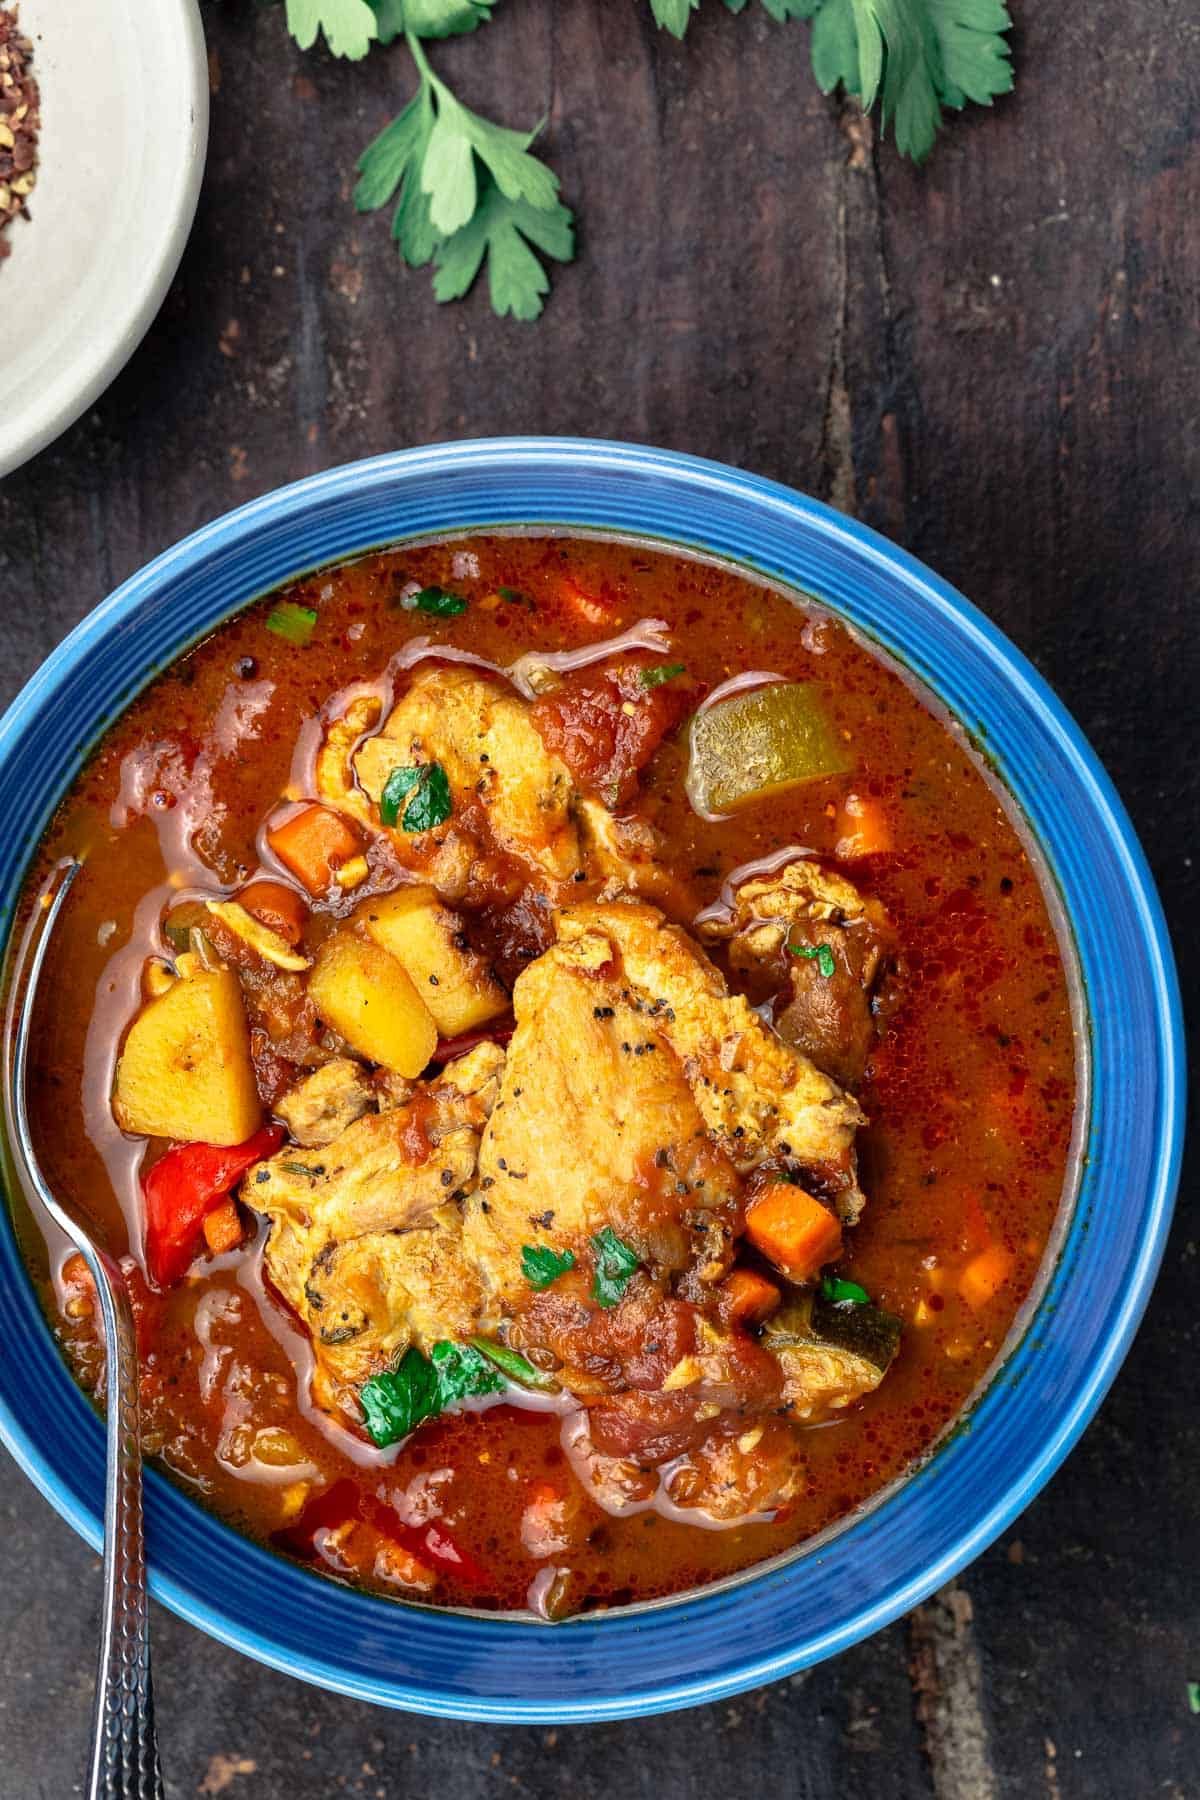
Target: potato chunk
{"points": [[368, 998], [453, 980], [185, 1071]]}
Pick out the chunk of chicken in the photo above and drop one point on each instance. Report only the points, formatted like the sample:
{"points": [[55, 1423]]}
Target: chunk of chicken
{"points": [[635, 1086], [759, 1097], [596, 1125], [510, 793], [366, 1238], [319, 1108], [777, 926], [748, 1470]]}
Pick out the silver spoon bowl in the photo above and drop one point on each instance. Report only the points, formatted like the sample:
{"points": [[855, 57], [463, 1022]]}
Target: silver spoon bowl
{"points": [[124, 1754]]}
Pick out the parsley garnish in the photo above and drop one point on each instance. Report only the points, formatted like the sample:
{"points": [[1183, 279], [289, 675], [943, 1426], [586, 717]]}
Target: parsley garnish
{"points": [[295, 623], [615, 1264], [652, 678], [467, 190], [1193, 1695], [429, 804], [823, 954], [843, 1293], [541, 1265], [396, 1402], [438, 601]]}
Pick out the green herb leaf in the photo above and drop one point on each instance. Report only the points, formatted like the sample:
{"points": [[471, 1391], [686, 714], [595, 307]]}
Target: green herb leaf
{"points": [[1193, 1695], [502, 231], [437, 601], [652, 678], [916, 57], [430, 803], [843, 1293], [822, 954], [349, 26], [615, 1264], [673, 15], [515, 597], [518, 1368], [541, 1265], [295, 623], [397, 1401], [430, 18]]}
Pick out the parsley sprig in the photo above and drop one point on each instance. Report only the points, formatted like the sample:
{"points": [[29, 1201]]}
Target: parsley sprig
{"points": [[468, 192]]}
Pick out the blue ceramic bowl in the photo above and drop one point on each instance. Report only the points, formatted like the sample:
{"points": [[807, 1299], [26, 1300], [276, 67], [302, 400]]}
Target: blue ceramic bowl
{"points": [[883, 1561]]}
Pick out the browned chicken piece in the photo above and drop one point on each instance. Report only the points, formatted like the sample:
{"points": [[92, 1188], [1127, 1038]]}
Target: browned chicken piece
{"points": [[366, 1234], [624, 852], [510, 794], [319, 1108], [747, 1470], [596, 1125], [635, 1086], [777, 929]]}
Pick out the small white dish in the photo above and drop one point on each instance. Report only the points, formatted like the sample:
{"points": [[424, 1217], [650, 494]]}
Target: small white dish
{"points": [[124, 105]]}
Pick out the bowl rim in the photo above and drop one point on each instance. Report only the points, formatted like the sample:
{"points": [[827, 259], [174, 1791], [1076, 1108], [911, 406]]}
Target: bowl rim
{"points": [[697, 477]]}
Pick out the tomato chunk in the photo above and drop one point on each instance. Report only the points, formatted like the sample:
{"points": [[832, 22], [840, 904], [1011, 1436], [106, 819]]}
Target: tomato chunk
{"points": [[606, 721], [182, 1188]]}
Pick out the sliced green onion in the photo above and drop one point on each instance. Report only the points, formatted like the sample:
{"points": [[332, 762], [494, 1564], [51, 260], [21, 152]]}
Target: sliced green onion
{"points": [[652, 678], [295, 623], [518, 1368]]}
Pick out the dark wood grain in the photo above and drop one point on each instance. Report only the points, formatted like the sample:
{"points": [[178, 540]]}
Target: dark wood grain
{"points": [[997, 361]]}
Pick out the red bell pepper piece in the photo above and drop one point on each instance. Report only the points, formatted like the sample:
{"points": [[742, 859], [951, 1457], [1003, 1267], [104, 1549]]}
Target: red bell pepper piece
{"points": [[184, 1185], [430, 1543]]}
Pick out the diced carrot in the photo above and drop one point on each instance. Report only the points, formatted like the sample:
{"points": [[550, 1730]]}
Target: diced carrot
{"points": [[746, 1298], [794, 1231], [279, 908], [313, 844], [223, 1228], [863, 829], [984, 1276]]}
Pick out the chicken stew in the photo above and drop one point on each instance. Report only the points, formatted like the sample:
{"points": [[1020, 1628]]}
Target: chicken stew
{"points": [[577, 1060]]}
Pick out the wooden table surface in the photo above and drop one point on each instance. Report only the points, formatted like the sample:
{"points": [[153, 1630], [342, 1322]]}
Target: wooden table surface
{"points": [[996, 361]]}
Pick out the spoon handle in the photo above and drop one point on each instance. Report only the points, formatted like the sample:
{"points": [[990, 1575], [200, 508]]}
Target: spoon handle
{"points": [[124, 1745]]}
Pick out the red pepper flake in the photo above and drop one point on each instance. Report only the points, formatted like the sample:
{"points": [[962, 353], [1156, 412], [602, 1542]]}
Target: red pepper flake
{"points": [[20, 121]]}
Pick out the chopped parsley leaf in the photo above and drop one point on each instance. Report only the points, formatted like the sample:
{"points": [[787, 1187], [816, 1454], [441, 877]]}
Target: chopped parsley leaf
{"points": [[438, 601], [426, 789], [615, 1264], [843, 1293], [823, 955], [419, 1388], [541, 1265]]}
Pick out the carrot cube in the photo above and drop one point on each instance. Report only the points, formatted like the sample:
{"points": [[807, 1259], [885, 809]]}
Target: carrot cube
{"points": [[984, 1276], [314, 844], [223, 1227], [794, 1231]]}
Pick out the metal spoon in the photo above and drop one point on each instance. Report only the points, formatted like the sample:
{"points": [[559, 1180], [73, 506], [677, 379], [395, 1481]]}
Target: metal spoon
{"points": [[124, 1757]]}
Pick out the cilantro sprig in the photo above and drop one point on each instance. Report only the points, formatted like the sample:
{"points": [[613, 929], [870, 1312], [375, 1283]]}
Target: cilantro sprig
{"points": [[468, 193]]}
